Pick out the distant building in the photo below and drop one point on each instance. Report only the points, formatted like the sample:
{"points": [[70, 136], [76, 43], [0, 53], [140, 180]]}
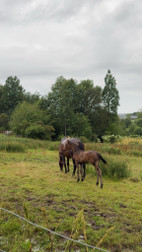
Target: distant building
{"points": [[131, 116]]}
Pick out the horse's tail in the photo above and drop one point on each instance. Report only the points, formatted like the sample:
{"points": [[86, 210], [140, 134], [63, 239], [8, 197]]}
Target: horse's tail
{"points": [[101, 158]]}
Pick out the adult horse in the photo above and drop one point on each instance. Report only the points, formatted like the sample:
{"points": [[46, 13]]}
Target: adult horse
{"points": [[81, 156], [68, 153]]}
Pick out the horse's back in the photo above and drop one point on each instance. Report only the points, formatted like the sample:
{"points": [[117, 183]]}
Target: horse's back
{"points": [[85, 156], [77, 142], [62, 146]]}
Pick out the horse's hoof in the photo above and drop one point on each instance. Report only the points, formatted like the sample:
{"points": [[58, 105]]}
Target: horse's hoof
{"points": [[101, 186], [65, 172], [82, 179], [97, 183], [78, 180]]}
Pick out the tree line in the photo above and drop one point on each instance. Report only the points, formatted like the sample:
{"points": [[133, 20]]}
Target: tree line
{"points": [[70, 109]]}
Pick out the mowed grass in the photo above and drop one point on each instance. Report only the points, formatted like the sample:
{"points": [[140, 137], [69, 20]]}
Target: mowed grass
{"points": [[33, 187]]}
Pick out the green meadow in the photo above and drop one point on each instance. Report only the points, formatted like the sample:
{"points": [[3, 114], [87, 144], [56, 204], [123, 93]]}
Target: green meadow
{"points": [[32, 186]]}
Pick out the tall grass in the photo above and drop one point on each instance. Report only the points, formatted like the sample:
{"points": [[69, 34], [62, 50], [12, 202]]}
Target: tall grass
{"points": [[12, 147], [18, 144]]}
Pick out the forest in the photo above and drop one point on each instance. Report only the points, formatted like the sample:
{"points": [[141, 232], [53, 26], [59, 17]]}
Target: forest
{"points": [[69, 109]]}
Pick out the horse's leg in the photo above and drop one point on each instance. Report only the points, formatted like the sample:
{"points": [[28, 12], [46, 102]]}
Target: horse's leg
{"points": [[68, 164], [64, 162], [99, 173], [74, 167], [84, 167], [61, 163], [77, 166], [81, 172]]}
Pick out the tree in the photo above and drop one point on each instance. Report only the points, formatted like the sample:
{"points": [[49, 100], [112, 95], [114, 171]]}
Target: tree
{"points": [[139, 122], [60, 104], [4, 122], [31, 98], [138, 131], [30, 121], [69, 102], [11, 94], [89, 97], [82, 126], [110, 94]]}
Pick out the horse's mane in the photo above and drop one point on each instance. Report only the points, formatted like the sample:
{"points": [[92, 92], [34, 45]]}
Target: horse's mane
{"points": [[74, 145], [77, 142], [81, 145]]}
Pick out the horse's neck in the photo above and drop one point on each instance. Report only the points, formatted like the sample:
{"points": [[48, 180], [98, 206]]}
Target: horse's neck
{"points": [[75, 148]]}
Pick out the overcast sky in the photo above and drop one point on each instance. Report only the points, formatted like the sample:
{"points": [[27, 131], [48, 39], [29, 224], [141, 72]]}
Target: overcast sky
{"points": [[41, 40]]}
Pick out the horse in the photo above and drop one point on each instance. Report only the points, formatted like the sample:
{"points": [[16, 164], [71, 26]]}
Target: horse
{"points": [[81, 156], [67, 153]]}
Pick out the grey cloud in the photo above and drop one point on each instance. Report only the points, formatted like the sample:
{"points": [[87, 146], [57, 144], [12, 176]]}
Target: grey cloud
{"points": [[35, 10], [41, 40]]}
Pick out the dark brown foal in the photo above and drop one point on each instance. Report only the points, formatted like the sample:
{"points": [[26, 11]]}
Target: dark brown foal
{"points": [[81, 156]]}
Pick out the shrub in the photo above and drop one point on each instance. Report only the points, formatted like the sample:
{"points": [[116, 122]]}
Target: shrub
{"points": [[35, 131], [31, 121], [111, 138], [83, 139], [115, 169]]}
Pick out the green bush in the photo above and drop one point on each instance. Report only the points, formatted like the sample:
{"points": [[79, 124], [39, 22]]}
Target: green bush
{"points": [[115, 169], [83, 139], [35, 131], [111, 138]]}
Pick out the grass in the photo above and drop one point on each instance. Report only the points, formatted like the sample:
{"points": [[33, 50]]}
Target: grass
{"points": [[33, 187]]}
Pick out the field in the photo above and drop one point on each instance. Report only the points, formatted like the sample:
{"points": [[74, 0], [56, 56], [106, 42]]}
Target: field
{"points": [[33, 187]]}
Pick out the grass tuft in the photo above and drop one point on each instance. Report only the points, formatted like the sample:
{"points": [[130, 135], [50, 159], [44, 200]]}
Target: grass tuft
{"points": [[117, 169]]}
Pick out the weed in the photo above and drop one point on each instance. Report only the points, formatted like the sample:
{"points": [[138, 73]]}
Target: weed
{"points": [[79, 225]]}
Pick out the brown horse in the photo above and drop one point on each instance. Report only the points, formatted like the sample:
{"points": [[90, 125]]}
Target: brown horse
{"points": [[81, 156], [68, 153]]}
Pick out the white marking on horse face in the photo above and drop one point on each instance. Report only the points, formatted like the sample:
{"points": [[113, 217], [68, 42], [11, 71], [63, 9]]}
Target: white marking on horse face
{"points": [[64, 142]]}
